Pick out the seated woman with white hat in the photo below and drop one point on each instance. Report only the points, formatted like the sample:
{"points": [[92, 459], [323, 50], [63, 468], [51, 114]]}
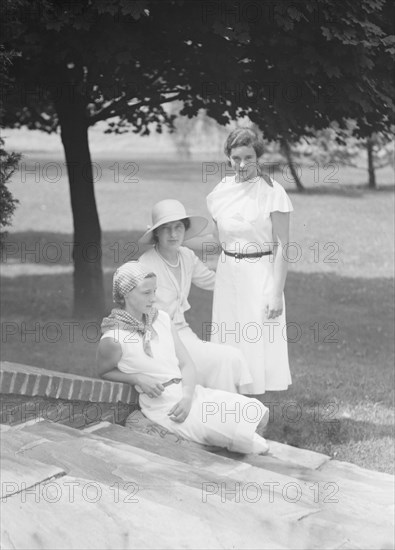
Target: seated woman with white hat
{"points": [[176, 267], [140, 342], [218, 366]]}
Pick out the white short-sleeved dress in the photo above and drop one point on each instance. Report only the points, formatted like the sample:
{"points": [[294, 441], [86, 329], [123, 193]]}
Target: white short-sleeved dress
{"points": [[243, 286], [218, 367], [216, 418]]}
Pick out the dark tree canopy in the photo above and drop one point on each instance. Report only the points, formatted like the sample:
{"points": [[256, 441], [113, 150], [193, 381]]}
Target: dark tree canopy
{"points": [[292, 67], [306, 62]]}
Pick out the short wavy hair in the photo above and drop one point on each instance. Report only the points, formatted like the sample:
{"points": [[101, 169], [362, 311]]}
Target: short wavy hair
{"points": [[244, 137]]}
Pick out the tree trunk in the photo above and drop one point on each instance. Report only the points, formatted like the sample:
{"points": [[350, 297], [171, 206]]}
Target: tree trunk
{"points": [[288, 155], [87, 253], [372, 173]]}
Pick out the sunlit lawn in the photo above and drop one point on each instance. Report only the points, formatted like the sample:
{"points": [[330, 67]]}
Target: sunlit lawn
{"points": [[341, 399]]}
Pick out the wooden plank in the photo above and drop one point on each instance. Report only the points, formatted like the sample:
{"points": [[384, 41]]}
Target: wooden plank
{"points": [[19, 473], [345, 501], [380, 483], [54, 431], [162, 480], [278, 451], [170, 487], [365, 486], [192, 463], [274, 464], [210, 462], [373, 533], [296, 455], [360, 495], [15, 440], [73, 514], [347, 544], [174, 484], [317, 487], [318, 484]]}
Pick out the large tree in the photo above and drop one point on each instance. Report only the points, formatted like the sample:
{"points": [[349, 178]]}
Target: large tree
{"points": [[84, 62], [290, 66]]}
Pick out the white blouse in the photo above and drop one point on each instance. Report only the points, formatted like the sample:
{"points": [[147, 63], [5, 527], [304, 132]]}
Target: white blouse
{"points": [[164, 363], [242, 212], [171, 296]]}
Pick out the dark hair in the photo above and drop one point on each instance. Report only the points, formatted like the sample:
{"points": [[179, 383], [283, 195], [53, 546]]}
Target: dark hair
{"points": [[185, 221], [244, 137]]}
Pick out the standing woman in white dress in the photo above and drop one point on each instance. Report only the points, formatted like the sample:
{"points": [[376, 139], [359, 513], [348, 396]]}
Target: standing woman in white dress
{"points": [[251, 212], [176, 268]]}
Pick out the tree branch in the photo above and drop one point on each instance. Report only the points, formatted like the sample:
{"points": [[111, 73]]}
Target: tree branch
{"points": [[110, 111]]}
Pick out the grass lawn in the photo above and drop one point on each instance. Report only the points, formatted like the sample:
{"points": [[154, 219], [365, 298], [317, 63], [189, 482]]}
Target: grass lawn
{"points": [[339, 292]]}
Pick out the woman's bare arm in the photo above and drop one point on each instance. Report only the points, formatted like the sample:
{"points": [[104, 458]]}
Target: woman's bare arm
{"points": [[187, 366], [108, 355], [280, 224], [211, 248], [180, 411]]}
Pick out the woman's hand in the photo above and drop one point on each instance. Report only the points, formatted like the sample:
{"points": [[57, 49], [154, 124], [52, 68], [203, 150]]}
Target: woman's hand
{"points": [[149, 385], [274, 307], [180, 411]]}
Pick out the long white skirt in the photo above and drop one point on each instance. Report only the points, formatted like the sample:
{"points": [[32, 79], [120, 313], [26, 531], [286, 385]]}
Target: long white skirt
{"points": [[216, 418], [242, 288], [218, 367]]}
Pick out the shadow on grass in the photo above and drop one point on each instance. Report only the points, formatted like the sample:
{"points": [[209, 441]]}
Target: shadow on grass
{"points": [[42, 247], [334, 432], [364, 442]]}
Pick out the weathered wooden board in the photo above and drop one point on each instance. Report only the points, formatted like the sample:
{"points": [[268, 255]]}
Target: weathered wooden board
{"points": [[348, 502], [74, 513], [284, 453], [19, 473], [14, 440], [173, 476], [295, 455], [210, 462], [194, 466], [327, 487], [98, 462], [163, 476], [373, 533], [379, 486]]}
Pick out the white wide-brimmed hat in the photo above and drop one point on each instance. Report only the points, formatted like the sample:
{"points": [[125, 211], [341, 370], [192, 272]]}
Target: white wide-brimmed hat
{"points": [[171, 210]]}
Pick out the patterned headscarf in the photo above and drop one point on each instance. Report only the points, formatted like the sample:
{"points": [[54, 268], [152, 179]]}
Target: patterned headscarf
{"points": [[125, 279]]}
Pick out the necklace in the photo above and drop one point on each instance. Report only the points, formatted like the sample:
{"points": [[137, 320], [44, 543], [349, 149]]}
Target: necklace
{"points": [[167, 262]]}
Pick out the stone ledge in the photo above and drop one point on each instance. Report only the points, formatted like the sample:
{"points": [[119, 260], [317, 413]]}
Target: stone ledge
{"points": [[22, 411], [16, 378]]}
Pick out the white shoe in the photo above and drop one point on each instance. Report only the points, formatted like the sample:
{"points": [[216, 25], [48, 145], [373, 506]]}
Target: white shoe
{"points": [[259, 445]]}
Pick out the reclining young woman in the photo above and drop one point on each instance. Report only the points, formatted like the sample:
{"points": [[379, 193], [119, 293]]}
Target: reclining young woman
{"points": [[140, 346]]}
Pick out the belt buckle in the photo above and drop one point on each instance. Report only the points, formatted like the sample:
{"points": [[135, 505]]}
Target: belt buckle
{"points": [[172, 381]]}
